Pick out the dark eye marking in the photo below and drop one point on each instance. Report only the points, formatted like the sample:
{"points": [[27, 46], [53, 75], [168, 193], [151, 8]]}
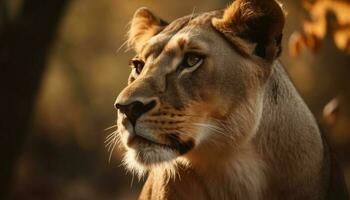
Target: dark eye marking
{"points": [[137, 64]]}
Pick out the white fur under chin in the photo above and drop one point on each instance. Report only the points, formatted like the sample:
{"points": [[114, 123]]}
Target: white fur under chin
{"points": [[139, 163]]}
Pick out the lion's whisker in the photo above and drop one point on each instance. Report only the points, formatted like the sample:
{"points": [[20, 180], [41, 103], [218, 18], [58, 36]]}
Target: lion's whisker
{"points": [[110, 143], [111, 135], [192, 14], [111, 151], [122, 45], [109, 139], [213, 128], [109, 128]]}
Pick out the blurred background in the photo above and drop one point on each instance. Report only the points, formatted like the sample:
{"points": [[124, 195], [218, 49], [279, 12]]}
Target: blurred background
{"points": [[60, 73]]}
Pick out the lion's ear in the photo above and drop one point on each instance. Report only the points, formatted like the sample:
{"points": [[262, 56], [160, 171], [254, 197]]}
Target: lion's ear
{"points": [[144, 25], [257, 21]]}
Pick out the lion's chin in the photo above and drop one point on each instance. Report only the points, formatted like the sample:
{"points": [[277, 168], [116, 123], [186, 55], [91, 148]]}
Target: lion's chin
{"points": [[142, 160], [148, 152], [145, 154], [154, 155]]}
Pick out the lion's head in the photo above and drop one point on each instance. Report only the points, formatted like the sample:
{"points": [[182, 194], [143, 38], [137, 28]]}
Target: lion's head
{"points": [[195, 89]]}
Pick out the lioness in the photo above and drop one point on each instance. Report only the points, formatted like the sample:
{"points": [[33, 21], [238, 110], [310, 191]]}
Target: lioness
{"points": [[210, 113]]}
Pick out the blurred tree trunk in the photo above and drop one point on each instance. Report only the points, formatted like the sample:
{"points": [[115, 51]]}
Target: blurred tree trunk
{"points": [[25, 43]]}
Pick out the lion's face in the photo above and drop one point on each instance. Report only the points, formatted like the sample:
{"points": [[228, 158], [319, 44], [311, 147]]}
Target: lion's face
{"points": [[190, 91]]}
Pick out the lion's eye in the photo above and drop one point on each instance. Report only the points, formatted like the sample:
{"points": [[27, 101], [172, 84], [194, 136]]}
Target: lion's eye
{"points": [[138, 65], [192, 59]]}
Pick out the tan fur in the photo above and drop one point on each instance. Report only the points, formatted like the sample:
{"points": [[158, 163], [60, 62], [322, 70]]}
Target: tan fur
{"points": [[143, 26], [261, 20], [236, 126]]}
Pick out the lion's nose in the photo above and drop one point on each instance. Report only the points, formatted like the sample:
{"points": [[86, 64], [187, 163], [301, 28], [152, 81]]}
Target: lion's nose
{"points": [[135, 109]]}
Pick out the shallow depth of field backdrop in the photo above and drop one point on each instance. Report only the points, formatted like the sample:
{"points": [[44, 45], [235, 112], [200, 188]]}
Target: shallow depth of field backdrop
{"points": [[61, 153]]}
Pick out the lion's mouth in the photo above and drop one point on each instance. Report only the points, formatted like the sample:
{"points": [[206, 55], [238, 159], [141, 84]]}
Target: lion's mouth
{"points": [[175, 143], [143, 140]]}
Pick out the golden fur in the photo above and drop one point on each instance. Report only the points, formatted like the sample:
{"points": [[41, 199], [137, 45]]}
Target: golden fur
{"points": [[231, 127]]}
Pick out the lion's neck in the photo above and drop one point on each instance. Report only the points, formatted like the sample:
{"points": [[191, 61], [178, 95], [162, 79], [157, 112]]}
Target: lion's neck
{"points": [[241, 178]]}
